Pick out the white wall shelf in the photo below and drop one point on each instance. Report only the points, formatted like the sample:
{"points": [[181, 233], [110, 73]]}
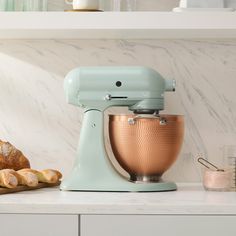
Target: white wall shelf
{"points": [[117, 25]]}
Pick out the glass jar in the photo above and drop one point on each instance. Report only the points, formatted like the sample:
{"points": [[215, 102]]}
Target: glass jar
{"points": [[31, 5], [116, 5], [129, 5], [123, 5], [10, 5], [35, 5], [217, 180], [229, 155], [43, 5]]}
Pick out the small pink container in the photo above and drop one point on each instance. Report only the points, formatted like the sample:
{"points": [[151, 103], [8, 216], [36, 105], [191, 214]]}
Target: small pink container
{"points": [[217, 180]]}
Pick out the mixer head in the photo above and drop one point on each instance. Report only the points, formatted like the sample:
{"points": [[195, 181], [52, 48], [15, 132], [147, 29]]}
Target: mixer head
{"points": [[140, 88]]}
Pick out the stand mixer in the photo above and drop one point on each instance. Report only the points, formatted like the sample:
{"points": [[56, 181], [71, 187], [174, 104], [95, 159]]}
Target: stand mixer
{"points": [[140, 89]]}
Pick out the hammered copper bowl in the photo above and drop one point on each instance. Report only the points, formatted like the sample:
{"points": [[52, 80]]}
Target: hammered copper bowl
{"points": [[148, 147]]}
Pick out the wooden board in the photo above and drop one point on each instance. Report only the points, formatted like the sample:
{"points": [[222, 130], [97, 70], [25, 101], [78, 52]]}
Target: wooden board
{"points": [[26, 188]]}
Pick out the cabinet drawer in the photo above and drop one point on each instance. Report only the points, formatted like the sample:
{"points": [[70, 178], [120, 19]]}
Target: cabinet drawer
{"points": [[153, 225], [38, 225]]}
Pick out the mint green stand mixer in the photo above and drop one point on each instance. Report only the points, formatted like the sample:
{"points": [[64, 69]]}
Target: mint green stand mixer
{"points": [[95, 89]]}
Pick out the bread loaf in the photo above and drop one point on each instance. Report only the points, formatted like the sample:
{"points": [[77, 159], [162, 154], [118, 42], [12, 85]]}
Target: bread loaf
{"points": [[11, 157]]}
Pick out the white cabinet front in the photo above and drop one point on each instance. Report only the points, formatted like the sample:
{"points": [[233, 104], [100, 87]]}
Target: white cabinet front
{"points": [[38, 225], [153, 225]]}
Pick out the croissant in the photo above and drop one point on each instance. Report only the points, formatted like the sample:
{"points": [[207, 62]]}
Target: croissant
{"points": [[8, 178], [46, 176], [11, 157]]}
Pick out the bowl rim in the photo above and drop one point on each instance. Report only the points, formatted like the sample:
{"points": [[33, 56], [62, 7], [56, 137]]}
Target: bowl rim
{"points": [[124, 117]]}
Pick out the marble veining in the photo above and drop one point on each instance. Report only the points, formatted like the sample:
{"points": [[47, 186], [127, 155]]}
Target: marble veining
{"points": [[36, 118]]}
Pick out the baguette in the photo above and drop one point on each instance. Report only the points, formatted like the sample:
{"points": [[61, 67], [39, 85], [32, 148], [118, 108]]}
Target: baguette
{"points": [[27, 178], [46, 176], [8, 178], [50, 176]]}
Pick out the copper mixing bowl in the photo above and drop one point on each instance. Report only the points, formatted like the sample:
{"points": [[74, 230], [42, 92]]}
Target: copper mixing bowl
{"points": [[149, 146]]}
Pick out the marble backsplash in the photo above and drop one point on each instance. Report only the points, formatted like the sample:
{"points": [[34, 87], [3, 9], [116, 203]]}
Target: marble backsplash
{"points": [[35, 117]]}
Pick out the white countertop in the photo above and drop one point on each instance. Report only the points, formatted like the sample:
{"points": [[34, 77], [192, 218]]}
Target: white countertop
{"points": [[189, 199]]}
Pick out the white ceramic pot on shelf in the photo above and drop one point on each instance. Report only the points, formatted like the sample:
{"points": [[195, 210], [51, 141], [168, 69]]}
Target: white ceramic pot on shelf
{"points": [[84, 4], [201, 4]]}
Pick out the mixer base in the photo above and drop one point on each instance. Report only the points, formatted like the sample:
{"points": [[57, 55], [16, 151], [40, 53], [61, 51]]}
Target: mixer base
{"points": [[114, 183], [145, 178]]}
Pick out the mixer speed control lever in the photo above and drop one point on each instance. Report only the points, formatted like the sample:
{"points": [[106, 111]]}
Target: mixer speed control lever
{"points": [[108, 97]]}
